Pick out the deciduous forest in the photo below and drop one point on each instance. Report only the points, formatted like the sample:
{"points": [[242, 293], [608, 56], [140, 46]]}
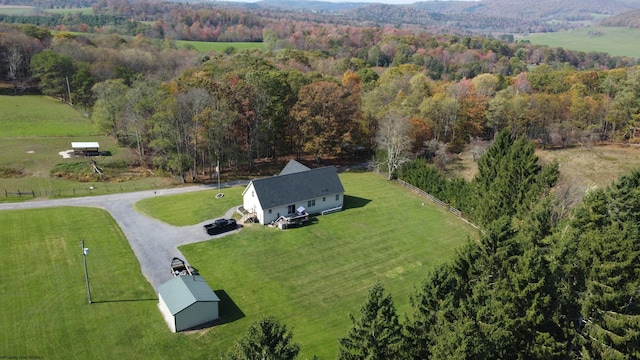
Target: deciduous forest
{"points": [[543, 282]]}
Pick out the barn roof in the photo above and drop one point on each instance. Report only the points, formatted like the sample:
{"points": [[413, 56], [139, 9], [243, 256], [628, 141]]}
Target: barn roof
{"points": [[291, 187], [183, 291]]}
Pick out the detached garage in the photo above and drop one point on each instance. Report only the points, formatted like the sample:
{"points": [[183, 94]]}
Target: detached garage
{"points": [[186, 302]]}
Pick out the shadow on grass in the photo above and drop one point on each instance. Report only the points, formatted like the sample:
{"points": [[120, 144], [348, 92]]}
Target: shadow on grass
{"points": [[353, 202], [229, 311], [123, 300]]}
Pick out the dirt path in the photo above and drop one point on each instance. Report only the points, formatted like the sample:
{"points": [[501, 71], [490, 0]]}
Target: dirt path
{"points": [[153, 242]]}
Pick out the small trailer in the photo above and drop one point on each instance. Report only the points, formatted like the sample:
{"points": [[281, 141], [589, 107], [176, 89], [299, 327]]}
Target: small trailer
{"points": [[180, 268]]}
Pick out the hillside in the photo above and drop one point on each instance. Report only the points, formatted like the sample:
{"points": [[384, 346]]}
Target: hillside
{"points": [[626, 19]]}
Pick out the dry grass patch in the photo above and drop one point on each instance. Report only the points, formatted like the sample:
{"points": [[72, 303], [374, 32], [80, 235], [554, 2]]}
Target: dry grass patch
{"points": [[599, 165]]}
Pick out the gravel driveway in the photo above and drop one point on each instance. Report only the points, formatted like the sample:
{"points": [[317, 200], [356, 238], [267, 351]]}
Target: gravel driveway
{"points": [[153, 242]]}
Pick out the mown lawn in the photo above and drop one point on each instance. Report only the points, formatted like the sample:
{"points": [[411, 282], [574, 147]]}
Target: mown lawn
{"points": [[310, 278], [40, 116], [617, 41], [192, 208], [44, 299]]}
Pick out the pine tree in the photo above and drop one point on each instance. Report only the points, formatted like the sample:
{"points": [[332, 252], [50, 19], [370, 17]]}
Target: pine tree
{"points": [[600, 268], [265, 339], [377, 334]]}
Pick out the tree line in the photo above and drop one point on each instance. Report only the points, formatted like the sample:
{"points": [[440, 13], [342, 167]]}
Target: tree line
{"points": [[192, 110]]}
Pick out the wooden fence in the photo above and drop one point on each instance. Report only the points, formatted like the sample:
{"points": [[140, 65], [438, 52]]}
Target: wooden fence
{"points": [[19, 193], [438, 202], [97, 189]]}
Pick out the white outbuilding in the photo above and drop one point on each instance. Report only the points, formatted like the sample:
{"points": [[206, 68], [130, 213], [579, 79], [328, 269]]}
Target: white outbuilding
{"points": [[186, 302]]}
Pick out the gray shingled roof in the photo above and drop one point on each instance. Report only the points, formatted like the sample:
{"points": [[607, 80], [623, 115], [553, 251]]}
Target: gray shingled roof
{"points": [[293, 167], [182, 291], [298, 186]]}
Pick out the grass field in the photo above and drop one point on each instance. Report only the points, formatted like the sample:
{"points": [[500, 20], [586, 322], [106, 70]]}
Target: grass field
{"points": [[192, 208], [617, 41], [44, 299], [34, 129], [204, 46], [310, 278], [16, 9], [84, 10], [598, 165], [41, 116], [582, 167]]}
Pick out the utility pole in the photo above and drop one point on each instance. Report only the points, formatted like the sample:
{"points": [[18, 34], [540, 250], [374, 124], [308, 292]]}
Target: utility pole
{"points": [[69, 91], [85, 252]]}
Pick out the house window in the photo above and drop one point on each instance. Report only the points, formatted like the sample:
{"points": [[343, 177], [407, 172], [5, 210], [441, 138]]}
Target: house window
{"points": [[337, 197], [291, 209], [269, 211], [311, 203], [253, 194], [324, 199]]}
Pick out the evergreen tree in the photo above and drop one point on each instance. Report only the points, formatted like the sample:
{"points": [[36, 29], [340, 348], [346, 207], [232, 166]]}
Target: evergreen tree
{"points": [[377, 334], [510, 180], [265, 339]]}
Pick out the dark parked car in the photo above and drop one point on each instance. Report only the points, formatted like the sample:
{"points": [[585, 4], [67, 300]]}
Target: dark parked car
{"points": [[221, 225]]}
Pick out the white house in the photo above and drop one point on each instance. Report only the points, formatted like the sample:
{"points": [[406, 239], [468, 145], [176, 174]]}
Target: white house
{"points": [[186, 302], [296, 188]]}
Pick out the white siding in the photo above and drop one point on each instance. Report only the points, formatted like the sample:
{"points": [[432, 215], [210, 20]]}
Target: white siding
{"points": [[250, 203], [250, 200], [166, 314], [329, 202]]}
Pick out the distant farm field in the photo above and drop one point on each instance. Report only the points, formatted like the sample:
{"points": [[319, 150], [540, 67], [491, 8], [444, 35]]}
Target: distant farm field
{"points": [[204, 46], [617, 41], [84, 10], [16, 10]]}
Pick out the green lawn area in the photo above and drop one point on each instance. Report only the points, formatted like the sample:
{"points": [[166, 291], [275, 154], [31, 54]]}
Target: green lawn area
{"points": [[310, 278], [32, 115], [44, 298], [617, 41], [192, 208], [204, 46]]}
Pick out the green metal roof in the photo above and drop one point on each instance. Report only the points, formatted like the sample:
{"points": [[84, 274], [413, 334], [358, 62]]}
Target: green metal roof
{"points": [[183, 291]]}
